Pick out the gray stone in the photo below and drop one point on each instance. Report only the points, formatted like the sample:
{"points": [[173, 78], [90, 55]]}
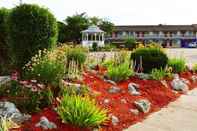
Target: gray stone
{"points": [[46, 124], [179, 84], [114, 89], [194, 78], [111, 82], [123, 101], [133, 89], [134, 111], [114, 120], [4, 79], [106, 101], [143, 105], [8, 110], [143, 76]]}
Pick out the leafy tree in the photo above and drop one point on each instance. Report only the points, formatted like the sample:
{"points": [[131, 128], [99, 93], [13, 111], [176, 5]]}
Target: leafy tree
{"points": [[75, 24], [4, 55], [107, 26], [30, 28], [95, 20], [63, 34], [130, 43]]}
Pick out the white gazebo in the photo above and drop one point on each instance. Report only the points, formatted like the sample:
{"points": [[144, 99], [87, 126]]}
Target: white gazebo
{"points": [[93, 35]]}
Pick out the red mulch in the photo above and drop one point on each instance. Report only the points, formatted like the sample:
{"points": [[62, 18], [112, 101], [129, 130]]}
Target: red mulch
{"points": [[154, 91]]}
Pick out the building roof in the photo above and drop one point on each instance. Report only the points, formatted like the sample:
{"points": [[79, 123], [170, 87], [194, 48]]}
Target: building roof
{"points": [[93, 29], [153, 28]]}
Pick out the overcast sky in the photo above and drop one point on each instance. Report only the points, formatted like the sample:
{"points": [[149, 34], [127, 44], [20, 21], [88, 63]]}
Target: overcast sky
{"points": [[122, 12]]}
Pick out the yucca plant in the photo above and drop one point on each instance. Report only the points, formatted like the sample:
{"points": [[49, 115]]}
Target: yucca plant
{"points": [[177, 64], [158, 74], [81, 111]]}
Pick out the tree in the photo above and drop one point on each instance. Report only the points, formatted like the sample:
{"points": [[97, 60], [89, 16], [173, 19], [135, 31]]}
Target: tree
{"points": [[63, 34], [30, 28], [75, 24], [107, 26], [4, 55], [130, 43]]}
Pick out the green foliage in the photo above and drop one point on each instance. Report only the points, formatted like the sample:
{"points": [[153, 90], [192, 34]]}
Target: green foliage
{"points": [[4, 52], [62, 32], [6, 124], [31, 28], [27, 99], [177, 64], [75, 89], [158, 74], [119, 72], [77, 54], [46, 67], [75, 24], [107, 26], [149, 58], [130, 43], [194, 68], [81, 111], [95, 46]]}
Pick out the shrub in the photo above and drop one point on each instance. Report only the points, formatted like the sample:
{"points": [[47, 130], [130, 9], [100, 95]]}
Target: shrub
{"points": [[28, 98], [47, 67], [4, 55], [81, 111], [149, 58], [194, 68], [177, 64], [77, 54], [158, 74], [31, 28], [130, 43], [119, 72], [95, 46]]}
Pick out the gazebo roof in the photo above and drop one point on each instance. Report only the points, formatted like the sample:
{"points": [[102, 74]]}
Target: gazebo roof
{"points": [[93, 29]]}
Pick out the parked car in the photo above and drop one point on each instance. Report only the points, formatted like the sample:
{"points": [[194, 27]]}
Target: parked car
{"points": [[192, 45]]}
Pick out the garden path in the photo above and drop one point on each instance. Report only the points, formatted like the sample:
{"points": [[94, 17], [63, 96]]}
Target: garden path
{"points": [[180, 115]]}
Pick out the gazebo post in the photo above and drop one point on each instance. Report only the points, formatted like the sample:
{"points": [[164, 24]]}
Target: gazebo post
{"points": [[95, 37]]}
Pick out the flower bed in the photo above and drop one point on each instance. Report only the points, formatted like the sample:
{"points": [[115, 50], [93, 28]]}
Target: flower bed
{"points": [[159, 96]]}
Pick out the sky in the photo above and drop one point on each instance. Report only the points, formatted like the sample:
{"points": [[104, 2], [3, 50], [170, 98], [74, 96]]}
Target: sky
{"points": [[122, 12]]}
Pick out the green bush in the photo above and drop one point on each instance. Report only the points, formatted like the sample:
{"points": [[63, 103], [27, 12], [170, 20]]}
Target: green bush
{"points": [[77, 54], [158, 74], [46, 67], [177, 64], [95, 46], [119, 72], [4, 52], [27, 99], [194, 68], [149, 58], [31, 28], [81, 111], [130, 43]]}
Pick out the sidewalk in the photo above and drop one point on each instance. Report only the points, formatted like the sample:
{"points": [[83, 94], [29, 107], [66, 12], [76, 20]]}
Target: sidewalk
{"points": [[180, 115]]}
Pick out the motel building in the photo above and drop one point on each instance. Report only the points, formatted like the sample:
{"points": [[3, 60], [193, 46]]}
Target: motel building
{"points": [[166, 35]]}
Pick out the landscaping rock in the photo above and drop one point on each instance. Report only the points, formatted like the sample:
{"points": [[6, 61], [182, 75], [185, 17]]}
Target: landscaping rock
{"points": [[194, 78], [114, 120], [8, 110], [179, 84], [164, 83], [143, 76], [123, 101], [110, 81], [114, 89], [134, 111], [46, 124], [106, 101], [133, 89], [143, 105], [4, 79]]}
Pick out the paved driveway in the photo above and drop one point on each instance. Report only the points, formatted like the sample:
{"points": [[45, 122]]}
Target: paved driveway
{"points": [[180, 115]]}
